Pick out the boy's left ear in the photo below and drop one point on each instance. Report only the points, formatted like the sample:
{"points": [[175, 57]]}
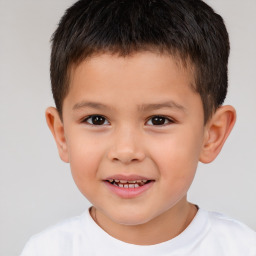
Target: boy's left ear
{"points": [[217, 130]]}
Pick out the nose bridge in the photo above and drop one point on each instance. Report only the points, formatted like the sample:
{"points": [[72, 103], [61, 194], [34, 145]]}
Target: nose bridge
{"points": [[126, 145]]}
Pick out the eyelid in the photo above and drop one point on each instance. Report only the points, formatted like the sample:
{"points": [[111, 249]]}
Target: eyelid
{"points": [[169, 119], [84, 120]]}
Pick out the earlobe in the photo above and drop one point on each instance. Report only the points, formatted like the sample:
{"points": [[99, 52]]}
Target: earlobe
{"points": [[217, 130], [56, 126]]}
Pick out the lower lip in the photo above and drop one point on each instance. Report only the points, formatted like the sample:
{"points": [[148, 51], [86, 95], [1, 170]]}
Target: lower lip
{"points": [[128, 193]]}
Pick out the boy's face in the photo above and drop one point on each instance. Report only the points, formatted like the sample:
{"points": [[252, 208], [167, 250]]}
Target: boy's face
{"points": [[133, 119]]}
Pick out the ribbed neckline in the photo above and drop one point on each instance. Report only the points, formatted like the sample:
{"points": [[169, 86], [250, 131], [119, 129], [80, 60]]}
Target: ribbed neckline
{"points": [[195, 231]]}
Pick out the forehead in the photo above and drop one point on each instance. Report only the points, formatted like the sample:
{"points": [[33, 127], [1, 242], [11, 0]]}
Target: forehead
{"points": [[140, 77], [144, 63]]}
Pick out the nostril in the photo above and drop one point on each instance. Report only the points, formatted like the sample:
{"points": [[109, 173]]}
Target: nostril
{"points": [[126, 158], [126, 154]]}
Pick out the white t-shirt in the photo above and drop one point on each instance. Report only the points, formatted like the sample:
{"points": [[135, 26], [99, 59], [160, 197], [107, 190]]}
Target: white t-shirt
{"points": [[209, 234]]}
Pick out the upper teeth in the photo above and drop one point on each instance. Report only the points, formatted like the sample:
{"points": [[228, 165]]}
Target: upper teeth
{"points": [[128, 181]]}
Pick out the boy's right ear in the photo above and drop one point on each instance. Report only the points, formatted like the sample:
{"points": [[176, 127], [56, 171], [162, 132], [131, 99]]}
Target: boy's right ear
{"points": [[56, 126]]}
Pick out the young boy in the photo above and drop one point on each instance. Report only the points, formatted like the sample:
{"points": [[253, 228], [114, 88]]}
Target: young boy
{"points": [[139, 88]]}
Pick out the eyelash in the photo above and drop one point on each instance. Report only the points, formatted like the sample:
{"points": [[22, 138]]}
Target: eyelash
{"points": [[166, 119], [92, 116]]}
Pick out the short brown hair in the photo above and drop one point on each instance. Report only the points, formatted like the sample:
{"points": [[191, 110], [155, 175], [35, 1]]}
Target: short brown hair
{"points": [[189, 29]]}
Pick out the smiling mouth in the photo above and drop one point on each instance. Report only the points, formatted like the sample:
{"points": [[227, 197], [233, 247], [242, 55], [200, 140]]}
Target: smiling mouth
{"points": [[128, 183]]}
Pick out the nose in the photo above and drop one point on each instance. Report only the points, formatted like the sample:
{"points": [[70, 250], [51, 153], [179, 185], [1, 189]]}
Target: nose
{"points": [[126, 147]]}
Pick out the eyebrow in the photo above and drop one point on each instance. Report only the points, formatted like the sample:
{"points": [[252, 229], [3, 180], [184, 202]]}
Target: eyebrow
{"points": [[144, 107], [89, 104], [168, 104]]}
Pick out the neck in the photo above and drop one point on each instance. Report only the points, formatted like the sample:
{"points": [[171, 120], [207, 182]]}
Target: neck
{"points": [[160, 229]]}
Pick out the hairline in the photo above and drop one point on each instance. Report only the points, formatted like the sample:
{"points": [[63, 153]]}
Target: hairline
{"points": [[181, 61]]}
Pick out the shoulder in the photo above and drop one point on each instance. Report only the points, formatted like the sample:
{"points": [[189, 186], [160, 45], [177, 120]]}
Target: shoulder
{"points": [[58, 238], [62, 230], [231, 234], [221, 222]]}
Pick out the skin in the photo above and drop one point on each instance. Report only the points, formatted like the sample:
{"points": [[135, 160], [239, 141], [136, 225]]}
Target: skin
{"points": [[134, 89]]}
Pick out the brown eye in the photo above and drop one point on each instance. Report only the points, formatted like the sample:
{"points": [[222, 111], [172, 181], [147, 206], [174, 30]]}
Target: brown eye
{"points": [[96, 120], [159, 120]]}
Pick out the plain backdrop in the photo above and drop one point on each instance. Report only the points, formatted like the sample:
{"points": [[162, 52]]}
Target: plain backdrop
{"points": [[36, 188]]}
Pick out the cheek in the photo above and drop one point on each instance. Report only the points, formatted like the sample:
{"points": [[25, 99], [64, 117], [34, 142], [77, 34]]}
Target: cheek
{"points": [[84, 157], [177, 168], [177, 158]]}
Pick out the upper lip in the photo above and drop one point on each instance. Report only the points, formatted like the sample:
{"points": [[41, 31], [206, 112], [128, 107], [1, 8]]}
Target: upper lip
{"points": [[131, 177]]}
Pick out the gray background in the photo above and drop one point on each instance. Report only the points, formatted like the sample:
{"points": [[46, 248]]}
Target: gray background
{"points": [[36, 188]]}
